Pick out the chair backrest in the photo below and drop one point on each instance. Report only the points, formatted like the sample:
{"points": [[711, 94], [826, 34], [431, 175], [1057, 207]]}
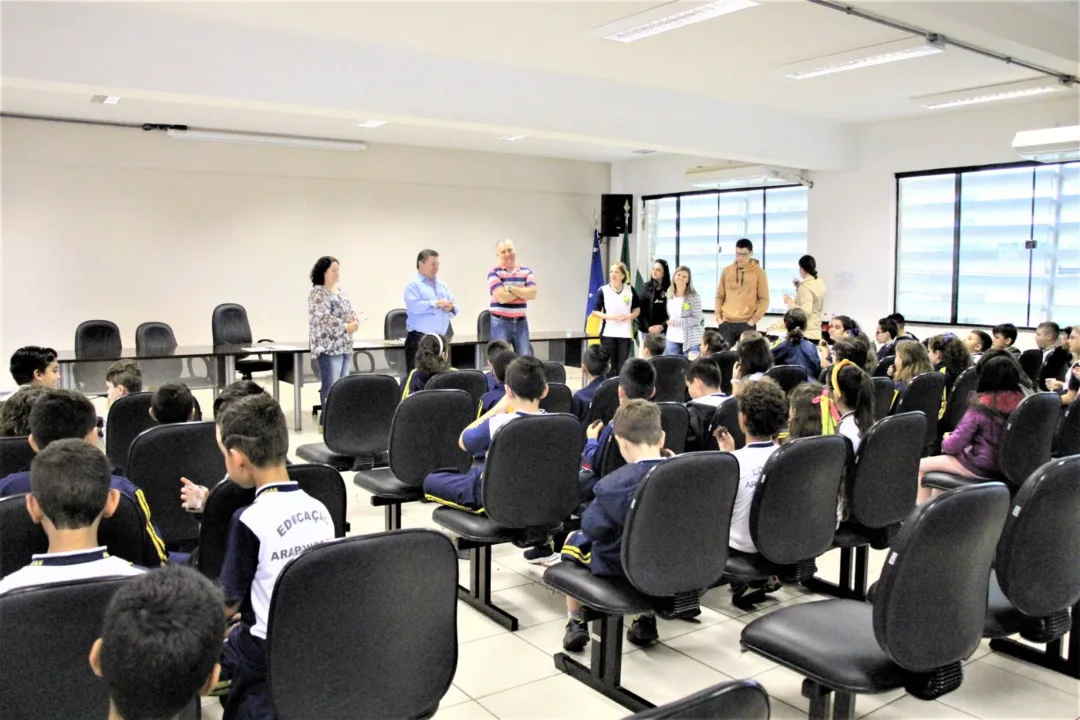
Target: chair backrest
{"points": [[676, 536], [959, 397], [604, 403], [675, 421], [1031, 363], [483, 326], [221, 504], [883, 396], [129, 417], [98, 340], [531, 472], [229, 325], [392, 593], [735, 700], [727, 415], [471, 381], [15, 455], [793, 515], [726, 362], [153, 337], [559, 399], [425, 431], [160, 457], [1029, 436], [940, 560], [882, 368], [1038, 556], [358, 414], [394, 324], [787, 376], [326, 485], [555, 372], [21, 538], [885, 476], [1068, 433], [611, 459], [46, 632], [923, 394], [670, 378]]}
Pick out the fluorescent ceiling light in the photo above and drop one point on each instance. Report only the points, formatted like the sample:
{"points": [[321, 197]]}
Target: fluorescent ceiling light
{"points": [[1049, 145], [257, 139], [371, 123], [990, 93], [668, 16], [513, 138], [862, 58], [105, 99], [726, 177]]}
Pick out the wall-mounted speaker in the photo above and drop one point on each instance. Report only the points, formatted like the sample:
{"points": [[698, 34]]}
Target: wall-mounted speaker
{"points": [[614, 220]]}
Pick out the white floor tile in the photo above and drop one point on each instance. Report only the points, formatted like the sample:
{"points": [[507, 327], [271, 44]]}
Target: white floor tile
{"points": [[992, 693], [453, 696], [718, 647], [516, 562], [465, 711], [661, 675], [531, 604], [669, 629], [779, 710], [1042, 675], [471, 625], [911, 708], [719, 600], [980, 652], [555, 697], [502, 577], [211, 707], [786, 686], [499, 663], [548, 638]]}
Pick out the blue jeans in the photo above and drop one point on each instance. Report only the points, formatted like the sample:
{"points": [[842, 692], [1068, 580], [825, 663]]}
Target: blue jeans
{"points": [[674, 348], [512, 330], [332, 368]]}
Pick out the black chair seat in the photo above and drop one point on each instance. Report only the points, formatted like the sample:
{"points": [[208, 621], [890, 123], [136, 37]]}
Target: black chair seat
{"points": [[478, 528], [319, 453], [382, 483], [611, 595], [948, 481], [1002, 617], [836, 646], [851, 534], [751, 567]]}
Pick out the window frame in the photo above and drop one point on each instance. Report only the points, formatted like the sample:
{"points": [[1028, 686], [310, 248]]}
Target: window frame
{"points": [[958, 171]]}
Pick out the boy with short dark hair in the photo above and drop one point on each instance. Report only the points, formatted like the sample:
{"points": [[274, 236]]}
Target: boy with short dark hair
{"points": [[637, 381], [1055, 360], [499, 365], [281, 523], [763, 412], [172, 403], [886, 336], [595, 366], [901, 327], [598, 545], [69, 494], [15, 412], [703, 385], [978, 342], [159, 645], [35, 365], [1004, 338], [63, 415], [494, 348], [653, 345], [123, 377]]}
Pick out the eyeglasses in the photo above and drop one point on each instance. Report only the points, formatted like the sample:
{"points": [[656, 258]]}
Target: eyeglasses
{"points": [[742, 253]]}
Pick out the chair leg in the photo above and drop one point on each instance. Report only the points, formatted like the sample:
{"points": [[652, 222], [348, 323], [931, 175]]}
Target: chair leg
{"points": [[478, 595], [821, 700], [605, 676], [844, 705], [1050, 658], [862, 569], [393, 516], [843, 589]]}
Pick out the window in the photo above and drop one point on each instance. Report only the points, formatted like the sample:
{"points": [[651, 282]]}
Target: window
{"points": [[985, 246], [700, 229]]}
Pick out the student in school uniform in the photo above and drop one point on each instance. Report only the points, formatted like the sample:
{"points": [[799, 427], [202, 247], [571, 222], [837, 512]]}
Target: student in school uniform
{"points": [[886, 338], [526, 386], [795, 349], [172, 403], [1056, 357], [595, 366], [755, 357], [703, 385], [123, 377], [69, 494], [1070, 387], [15, 412], [160, 642], [653, 345], [597, 546], [281, 523], [494, 348], [617, 305], [978, 342], [62, 415], [34, 365], [1005, 339], [499, 364], [949, 356], [432, 358]]}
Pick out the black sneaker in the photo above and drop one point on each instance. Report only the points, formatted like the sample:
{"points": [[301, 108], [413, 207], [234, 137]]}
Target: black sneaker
{"points": [[643, 631], [543, 554], [576, 637], [746, 596]]}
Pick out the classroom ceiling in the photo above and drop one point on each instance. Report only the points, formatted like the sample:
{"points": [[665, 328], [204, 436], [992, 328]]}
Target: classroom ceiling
{"points": [[462, 74]]}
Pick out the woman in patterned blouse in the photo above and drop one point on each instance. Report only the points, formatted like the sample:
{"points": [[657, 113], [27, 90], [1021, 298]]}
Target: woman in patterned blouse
{"points": [[331, 324]]}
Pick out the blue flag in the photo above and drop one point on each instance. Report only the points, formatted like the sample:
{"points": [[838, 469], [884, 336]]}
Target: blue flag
{"points": [[596, 280]]}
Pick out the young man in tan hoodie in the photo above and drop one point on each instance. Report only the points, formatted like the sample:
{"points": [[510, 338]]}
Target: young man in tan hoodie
{"points": [[742, 295]]}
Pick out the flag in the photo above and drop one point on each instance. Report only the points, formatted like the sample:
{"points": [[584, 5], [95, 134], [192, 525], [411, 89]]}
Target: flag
{"points": [[596, 279], [637, 281]]}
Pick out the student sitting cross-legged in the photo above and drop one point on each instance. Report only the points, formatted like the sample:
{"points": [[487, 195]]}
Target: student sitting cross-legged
{"points": [[69, 494], [703, 385], [598, 545], [159, 645], [595, 366], [62, 415], [498, 364], [526, 386], [763, 410], [281, 523]]}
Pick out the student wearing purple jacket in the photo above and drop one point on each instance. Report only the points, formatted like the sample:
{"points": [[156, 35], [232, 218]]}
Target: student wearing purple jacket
{"points": [[971, 450]]}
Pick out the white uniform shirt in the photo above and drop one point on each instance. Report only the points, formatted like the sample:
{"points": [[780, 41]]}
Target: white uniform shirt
{"points": [[751, 462], [67, 566]]}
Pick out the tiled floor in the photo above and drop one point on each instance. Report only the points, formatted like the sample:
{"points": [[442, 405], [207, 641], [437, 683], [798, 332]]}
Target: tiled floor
{"points": [[511, 675]]}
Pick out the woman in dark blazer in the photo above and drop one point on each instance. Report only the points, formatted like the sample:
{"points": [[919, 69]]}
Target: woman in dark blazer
{"points": [[654, 315]]}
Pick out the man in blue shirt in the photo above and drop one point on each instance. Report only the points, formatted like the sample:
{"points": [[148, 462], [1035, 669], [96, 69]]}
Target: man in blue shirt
{"points": [[429, 305]]}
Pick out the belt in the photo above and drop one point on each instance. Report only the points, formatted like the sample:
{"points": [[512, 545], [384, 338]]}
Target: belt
{"points": [[508, 319]]}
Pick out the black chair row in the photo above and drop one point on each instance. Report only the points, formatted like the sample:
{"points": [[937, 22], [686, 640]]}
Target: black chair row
{"points": [[100, 339]]}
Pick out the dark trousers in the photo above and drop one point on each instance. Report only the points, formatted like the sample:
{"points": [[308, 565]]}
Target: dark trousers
{"points": [[620, 350], [412, 344], [244, 656], [731, 331]]}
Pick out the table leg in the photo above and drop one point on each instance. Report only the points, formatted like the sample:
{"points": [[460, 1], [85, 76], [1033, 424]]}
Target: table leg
{"points": [[298, 385], [67, 376], [230, 370], [479, 357], [277, 381]]}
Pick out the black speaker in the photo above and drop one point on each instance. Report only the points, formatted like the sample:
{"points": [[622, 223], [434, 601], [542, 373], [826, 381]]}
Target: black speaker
{"points": [[613, 219]]}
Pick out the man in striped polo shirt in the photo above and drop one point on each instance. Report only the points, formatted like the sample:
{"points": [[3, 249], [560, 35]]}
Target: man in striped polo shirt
{"points": [[511, 287]]}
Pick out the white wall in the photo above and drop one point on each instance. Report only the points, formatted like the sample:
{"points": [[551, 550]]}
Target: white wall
{"points": [[115, 223]]}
